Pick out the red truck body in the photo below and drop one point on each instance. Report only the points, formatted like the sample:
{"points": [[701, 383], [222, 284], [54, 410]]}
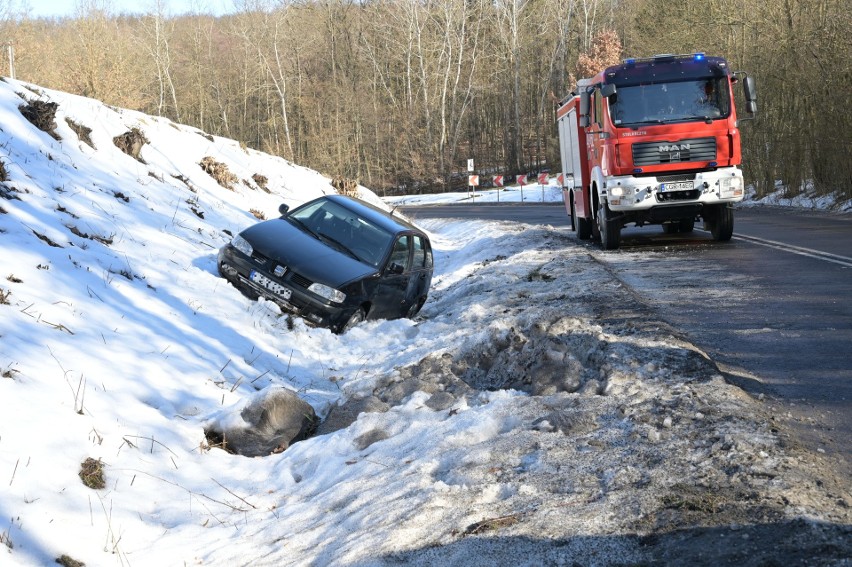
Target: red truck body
{"points": [[653, 141]]}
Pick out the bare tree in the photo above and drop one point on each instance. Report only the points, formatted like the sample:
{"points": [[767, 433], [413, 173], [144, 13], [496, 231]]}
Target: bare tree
{"points": [[157, 30]]}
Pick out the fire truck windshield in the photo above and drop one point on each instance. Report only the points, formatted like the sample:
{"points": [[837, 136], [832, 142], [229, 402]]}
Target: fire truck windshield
{"points": [[660, 103]]}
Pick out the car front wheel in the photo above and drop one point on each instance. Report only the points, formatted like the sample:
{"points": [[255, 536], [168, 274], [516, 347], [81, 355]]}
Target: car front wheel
{"points": [[356, 318], [415, 308]]}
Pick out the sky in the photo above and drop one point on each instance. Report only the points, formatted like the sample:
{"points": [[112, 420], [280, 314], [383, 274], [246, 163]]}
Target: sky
{"points": [[505, 421], [66, 8]]}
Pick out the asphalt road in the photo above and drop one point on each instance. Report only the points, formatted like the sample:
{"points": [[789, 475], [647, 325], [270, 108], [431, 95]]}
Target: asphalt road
{"points": [[772, 307]]}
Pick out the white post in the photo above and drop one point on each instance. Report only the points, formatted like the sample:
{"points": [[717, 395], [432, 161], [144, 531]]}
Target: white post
{"points": [[11, 50]]}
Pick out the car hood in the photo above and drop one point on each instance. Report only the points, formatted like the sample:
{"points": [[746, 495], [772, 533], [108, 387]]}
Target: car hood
{"points": [[304, 254]]}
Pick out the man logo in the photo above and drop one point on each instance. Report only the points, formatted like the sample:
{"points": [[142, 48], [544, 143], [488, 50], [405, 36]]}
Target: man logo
{"points": [[672, 148]]}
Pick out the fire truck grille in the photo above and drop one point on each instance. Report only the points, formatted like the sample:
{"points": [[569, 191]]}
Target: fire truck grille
{"points": [[657, 153]]}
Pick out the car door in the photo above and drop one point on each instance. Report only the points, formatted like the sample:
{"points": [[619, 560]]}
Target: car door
{"points": [[389, 300], [421, 271]]}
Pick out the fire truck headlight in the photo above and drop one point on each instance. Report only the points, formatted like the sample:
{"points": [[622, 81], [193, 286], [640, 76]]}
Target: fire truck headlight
{"points": [[731, 187]]}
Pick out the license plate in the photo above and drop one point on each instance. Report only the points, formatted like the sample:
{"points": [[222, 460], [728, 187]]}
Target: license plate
{"points": [[267, 283], [678, 186]]}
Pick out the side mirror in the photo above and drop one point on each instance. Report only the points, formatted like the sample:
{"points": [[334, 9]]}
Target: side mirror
{"points": [[283, 209], [750, 92], [395, 268], [608, 90], [584, 104]]}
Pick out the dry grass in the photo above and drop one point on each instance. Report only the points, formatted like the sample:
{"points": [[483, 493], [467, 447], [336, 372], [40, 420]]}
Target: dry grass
{"points": [[42, 115], [344, 186], [92, 473], [218, 171], [6, 540], [67, 561], [131, 143], [262, 181], [83, 132]]}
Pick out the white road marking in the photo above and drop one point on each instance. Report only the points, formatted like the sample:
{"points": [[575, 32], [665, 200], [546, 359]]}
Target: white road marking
{"points": [[809, 252]]}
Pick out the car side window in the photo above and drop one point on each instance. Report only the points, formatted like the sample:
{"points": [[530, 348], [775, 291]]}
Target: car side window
{"points": [[422, 254], [419, 254], [400, 255]]}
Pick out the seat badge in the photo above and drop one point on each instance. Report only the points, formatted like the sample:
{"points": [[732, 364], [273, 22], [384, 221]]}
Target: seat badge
{"points": [[279, 271]]}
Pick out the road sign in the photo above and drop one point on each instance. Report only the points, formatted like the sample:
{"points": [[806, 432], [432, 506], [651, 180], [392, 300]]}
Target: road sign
{"points": [[560, 179], [470, 164], [498, 181], [473, 180], [522, 180], [542, 178]]}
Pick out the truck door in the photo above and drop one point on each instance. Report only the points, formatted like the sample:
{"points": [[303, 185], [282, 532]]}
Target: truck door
{"points": [[595, 138]]}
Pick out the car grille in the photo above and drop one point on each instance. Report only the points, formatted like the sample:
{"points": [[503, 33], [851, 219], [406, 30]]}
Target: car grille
{"points": [[268, 263], [300, 280], [259, 258], [658, 153]]}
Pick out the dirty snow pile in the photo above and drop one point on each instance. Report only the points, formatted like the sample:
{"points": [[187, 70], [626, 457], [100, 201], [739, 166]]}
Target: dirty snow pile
{"points": [[534, 413]]}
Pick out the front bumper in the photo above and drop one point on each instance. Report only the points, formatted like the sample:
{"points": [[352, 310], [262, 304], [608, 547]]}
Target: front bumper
{"points": [[291, 297], [628, 193]]}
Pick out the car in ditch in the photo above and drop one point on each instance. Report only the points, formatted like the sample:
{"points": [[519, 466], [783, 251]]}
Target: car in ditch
{"points": [[334, 261]]}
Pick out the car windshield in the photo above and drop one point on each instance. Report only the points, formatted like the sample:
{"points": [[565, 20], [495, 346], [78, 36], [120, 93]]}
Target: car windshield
{"points": [[704, 99], [344, 230]]}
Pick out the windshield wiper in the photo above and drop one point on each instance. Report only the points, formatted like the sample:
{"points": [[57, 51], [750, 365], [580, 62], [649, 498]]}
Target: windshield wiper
{"points": [[303, 226], [339, 245]]}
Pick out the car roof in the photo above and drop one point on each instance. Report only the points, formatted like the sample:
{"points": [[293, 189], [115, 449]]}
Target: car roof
{"points": [[375, 214]]}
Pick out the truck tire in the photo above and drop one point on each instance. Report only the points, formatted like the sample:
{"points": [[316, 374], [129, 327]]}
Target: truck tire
{"points": [[609, 228], [582, 225], [722, 225]]}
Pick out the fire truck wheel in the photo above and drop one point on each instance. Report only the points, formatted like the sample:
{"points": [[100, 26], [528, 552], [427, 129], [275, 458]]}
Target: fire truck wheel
{"points": [[687, 225], [722, 227], [582, 225], [610, 229]]}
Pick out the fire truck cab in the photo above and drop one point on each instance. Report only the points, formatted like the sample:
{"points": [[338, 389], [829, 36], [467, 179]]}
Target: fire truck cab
{"points": [[653, 141]]}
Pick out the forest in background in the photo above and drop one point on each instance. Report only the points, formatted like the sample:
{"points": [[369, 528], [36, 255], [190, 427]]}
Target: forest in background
{"points": [[399, 94]]}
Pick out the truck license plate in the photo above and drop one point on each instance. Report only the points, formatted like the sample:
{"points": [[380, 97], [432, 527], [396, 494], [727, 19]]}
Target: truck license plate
{"points": [[267, 283], [678, 186]]}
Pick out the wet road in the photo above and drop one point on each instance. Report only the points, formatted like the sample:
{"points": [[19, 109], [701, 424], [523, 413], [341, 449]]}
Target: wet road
{"points": [[773, 307]]}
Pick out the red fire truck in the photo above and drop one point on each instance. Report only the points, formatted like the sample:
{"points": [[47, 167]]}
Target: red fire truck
{"points": [[653, 141]]}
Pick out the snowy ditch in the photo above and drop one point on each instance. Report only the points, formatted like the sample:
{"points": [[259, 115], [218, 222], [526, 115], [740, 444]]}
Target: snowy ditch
{"points": [[551, 411]]}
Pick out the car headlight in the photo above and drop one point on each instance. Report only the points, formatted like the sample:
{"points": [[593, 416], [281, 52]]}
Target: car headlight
{"points": [[242, 245], [329, 293]]}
